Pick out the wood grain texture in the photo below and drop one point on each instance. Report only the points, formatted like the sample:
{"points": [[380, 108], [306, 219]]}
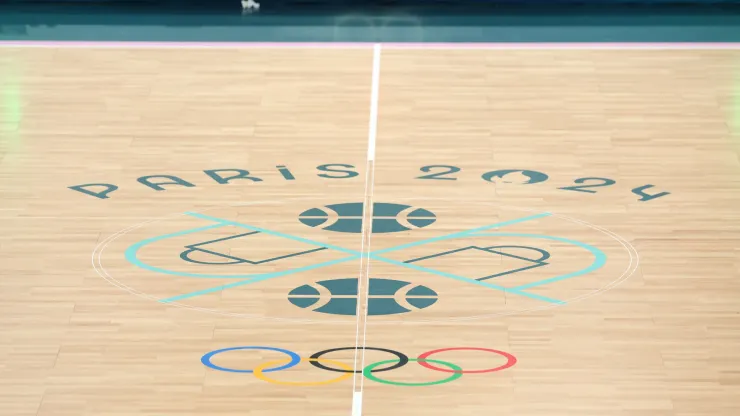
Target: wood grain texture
{"points": [[664, 342]]}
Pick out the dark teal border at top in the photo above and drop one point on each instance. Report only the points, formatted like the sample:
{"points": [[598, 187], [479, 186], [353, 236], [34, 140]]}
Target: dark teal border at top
{"points": [[419, 25]]}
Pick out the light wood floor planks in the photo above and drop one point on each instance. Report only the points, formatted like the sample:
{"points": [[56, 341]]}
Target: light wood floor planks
{"points": [[633, 311]]}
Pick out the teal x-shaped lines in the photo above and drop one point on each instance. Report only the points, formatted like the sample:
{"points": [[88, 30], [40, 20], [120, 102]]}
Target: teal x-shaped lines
{"points": [[244, 279]]}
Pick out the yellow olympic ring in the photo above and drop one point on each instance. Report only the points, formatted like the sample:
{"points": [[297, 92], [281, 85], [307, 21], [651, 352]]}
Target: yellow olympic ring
{"points": [[258, 372]]}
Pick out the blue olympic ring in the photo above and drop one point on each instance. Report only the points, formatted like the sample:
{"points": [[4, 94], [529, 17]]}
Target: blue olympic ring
{"points": [[294, 359]]}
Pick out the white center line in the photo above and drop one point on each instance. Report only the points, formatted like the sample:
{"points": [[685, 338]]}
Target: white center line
{"points": [[367, 220], [373, 129]]}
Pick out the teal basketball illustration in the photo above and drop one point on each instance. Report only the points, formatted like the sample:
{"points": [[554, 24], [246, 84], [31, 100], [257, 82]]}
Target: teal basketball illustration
{"points": [[387, 218], [385, 297]]}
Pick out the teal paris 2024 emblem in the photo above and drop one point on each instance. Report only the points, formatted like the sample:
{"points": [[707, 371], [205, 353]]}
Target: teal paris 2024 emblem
{"points": [[385, 297], [387, 218]]}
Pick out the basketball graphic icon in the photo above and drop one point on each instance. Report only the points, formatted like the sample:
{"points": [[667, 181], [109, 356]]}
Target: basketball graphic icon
{"points": [[385, 297], [387, 218]]}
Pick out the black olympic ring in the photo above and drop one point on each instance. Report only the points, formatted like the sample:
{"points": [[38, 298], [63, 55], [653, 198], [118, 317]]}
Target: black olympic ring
{"points": [[403, 359]]}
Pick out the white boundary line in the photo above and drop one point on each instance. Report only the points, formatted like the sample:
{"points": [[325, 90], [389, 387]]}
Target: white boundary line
{"points": [[363, 280], [373, 128], [368, 45]]}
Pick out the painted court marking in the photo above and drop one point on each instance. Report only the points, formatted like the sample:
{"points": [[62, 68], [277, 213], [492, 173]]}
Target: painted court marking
{"points": [[99, 250], [131, 256], [363, 282]]}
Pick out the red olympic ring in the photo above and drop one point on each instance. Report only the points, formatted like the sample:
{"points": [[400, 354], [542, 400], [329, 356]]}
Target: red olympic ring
{"points": [[511, 360]]}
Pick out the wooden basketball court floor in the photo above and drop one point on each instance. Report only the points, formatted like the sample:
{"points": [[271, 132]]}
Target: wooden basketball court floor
{"points": [[545, 232]]}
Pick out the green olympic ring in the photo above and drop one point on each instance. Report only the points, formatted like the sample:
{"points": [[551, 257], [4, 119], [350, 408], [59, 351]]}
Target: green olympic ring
{"points": [[367, 372]]}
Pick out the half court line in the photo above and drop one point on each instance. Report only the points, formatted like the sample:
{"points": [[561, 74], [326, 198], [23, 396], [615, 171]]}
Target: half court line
{"points": [[363, 280]]}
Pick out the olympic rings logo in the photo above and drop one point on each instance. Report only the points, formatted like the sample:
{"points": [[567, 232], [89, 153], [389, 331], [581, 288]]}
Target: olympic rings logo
{"points": [[347, 371]]}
